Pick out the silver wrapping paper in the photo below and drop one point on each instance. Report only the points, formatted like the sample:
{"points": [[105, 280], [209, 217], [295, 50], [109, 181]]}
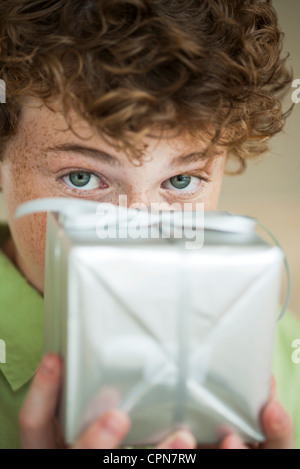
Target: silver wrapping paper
{"points": [[177, 338]]}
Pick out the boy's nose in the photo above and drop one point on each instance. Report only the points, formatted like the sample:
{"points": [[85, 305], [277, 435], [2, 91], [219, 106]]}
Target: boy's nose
{"points": [[134, 197]]}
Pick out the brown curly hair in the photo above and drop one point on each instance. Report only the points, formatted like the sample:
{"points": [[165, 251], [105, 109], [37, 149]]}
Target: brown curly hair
{"points": [[211, 68]]}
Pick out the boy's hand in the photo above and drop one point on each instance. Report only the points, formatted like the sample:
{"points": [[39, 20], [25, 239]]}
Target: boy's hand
{"points": [[277, 426], [39, 428], [278, 430]]}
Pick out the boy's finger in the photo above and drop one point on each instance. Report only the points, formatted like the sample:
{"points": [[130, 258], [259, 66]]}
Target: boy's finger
{"points": [[36, 418], [232, 441], [179, 440], [278, 427], [107, 432]]}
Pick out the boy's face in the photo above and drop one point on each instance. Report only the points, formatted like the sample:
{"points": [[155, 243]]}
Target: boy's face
{"points": [[46, 160]]}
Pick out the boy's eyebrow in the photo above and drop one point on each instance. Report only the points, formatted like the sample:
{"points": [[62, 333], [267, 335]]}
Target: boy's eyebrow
{"points": [[113, 161], [189, 158], [87, 151]]}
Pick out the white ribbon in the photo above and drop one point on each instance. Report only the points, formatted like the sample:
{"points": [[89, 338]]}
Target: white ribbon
{"points": [[83, 214]]}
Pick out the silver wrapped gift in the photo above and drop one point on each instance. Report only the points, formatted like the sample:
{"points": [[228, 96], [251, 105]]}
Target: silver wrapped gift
{"points": [[176, 337]]}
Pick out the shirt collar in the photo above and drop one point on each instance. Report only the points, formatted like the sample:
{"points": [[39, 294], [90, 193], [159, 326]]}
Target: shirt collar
{"points": [[21, 324]]}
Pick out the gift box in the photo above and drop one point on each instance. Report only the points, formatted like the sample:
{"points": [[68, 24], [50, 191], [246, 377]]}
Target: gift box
{"points": [[177, 337]]}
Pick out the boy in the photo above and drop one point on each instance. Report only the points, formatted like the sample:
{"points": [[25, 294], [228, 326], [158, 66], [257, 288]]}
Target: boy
{"points": [[142, 98]]}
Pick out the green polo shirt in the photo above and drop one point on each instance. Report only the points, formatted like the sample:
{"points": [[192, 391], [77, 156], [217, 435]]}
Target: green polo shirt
{"points": [[21, 329]]}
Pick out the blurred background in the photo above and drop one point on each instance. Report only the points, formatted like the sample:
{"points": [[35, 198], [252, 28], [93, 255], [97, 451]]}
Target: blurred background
{"points": [[270, 189]]}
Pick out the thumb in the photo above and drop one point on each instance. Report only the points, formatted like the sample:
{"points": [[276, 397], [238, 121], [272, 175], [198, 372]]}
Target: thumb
{"points": [[106, 432]]}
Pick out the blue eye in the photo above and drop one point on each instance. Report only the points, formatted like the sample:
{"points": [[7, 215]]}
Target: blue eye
{"points": [[182, 183], [82, 180]]}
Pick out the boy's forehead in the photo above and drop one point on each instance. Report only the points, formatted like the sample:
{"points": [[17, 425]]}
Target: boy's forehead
{"points": [[43, 127], [42, 120]]}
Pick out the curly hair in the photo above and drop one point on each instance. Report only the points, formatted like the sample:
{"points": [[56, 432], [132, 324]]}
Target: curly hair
{"points": [[210, 68]]}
